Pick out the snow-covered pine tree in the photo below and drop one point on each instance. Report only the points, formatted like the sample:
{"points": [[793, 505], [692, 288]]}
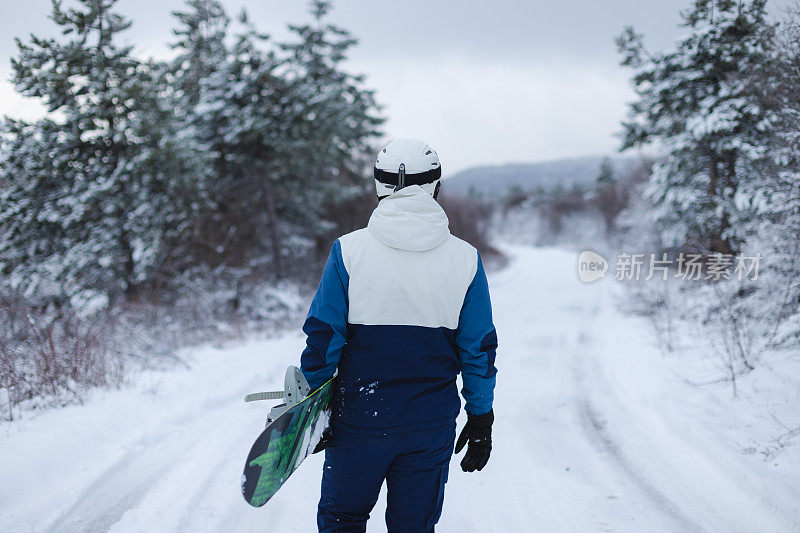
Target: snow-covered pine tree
{"points": [[200, 83], [202, 50], [236, 117], [610, 197], [36, 250], [256, 145], [774, 197], [285, 136], [97, 180], [333, 128], [172, 177], [605, 175], [696, 104]]}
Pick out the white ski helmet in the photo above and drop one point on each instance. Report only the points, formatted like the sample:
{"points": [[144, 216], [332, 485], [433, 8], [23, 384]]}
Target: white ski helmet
{"points": [[405, 162]]}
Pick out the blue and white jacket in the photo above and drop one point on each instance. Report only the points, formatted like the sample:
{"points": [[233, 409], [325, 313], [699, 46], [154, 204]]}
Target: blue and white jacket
{"points": [[401, 309]]}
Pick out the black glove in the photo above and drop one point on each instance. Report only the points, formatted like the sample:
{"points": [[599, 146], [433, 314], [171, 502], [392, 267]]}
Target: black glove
{"points": [[327, 435], [478, 431]]}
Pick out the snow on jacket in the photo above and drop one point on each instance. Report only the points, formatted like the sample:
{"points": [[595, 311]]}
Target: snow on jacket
{"points": [[402, 307]]}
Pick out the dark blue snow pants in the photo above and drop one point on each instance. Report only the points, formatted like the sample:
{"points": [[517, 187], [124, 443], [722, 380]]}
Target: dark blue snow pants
{"points": [[414, 465]]}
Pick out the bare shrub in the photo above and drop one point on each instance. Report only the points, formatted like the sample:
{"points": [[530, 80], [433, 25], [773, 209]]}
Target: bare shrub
{"points": [[54, 357], [561, 205], [657, 301], [469, 220], [12, 381], [730, 325]]}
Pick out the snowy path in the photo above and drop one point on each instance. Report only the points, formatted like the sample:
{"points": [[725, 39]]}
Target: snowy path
{"points": [[591, 435]]}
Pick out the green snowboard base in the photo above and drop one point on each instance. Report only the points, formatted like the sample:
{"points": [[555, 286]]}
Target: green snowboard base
{"points": [[284, 444]]}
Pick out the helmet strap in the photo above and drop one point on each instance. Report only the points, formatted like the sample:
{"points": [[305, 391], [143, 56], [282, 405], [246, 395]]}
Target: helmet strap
{"points": [[401, 177]]}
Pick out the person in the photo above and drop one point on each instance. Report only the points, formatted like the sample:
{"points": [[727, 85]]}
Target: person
{"points": [[402, 307]]}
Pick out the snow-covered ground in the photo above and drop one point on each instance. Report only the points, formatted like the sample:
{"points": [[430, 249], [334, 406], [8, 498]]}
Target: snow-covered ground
{"points": [[595, 431]]}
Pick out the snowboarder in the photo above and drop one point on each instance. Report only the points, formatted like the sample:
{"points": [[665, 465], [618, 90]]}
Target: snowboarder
{"points": [[402, 307]]}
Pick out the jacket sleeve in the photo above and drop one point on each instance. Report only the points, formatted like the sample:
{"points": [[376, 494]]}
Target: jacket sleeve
{"points": [[476, 340], [326, 323]]}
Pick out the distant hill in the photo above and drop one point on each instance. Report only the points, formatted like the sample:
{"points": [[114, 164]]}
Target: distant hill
{"points": [[498, 179]]}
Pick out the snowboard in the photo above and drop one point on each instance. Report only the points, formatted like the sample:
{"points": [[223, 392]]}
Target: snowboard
{"points": [[293, 430]]}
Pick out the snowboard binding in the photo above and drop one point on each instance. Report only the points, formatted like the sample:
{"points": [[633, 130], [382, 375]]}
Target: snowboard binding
{"points": [[295, 390]]}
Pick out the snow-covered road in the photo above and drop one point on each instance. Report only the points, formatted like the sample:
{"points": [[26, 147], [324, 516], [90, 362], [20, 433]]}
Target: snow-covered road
{"points": [[592, 433]]}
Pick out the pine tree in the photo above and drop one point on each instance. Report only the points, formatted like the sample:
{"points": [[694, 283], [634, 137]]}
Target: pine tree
{"points": [[257, 146], [774, 198], [35, 248], [202, 51], [200, 84], [696, 103], [231, 155], [284, 130], [610, 198], [334, 127], [605, 176], [102, 172]]}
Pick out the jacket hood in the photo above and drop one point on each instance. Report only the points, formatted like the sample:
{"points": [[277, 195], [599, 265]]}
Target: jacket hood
{"points": [[409, 219]]}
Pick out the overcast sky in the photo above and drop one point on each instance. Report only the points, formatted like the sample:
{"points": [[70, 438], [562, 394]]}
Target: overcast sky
{"points": [[483, 82]]}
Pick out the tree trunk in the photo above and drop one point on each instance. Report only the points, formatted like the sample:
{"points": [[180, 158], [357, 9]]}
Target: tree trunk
{"points": [[273, 230], [129, 265], [716, 241]]}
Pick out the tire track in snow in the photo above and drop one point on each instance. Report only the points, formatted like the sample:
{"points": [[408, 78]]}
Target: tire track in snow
{"points": [[595, 428], [126, 483], [110, 496]]}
